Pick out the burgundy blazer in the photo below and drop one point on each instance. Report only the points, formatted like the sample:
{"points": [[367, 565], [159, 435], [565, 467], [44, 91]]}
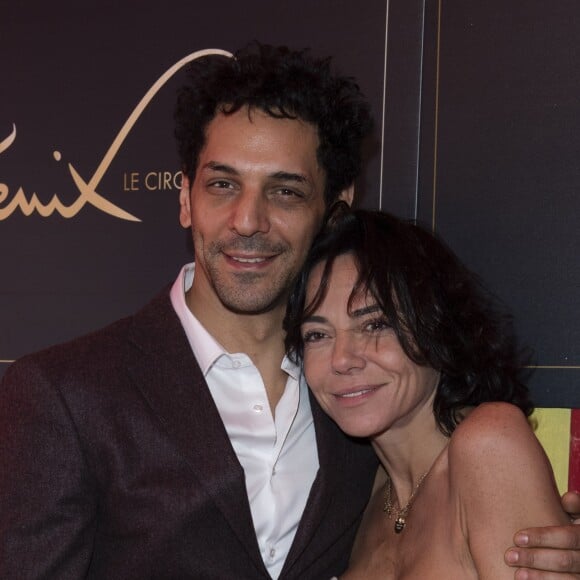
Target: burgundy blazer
{"points": [[114, 464]]}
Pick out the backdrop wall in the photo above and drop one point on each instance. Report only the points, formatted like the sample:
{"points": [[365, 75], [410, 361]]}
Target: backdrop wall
{"points": [[88, 167], [476, 134]]}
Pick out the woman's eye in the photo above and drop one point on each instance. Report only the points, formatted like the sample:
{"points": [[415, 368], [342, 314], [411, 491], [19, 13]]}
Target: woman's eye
{"points": [[377, 325], [312, 336]]}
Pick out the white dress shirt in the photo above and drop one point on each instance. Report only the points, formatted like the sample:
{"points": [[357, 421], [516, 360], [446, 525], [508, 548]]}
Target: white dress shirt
{"points": [[278, 454]]}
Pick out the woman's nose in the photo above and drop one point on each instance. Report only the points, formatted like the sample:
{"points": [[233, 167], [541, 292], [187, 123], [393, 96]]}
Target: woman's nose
{"points": [[347, 354]]}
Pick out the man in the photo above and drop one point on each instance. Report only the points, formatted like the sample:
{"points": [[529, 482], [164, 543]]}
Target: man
{"points": [[180, 442]]}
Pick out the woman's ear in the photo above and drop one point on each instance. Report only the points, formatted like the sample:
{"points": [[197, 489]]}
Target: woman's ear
{"points": [[347, 195]]}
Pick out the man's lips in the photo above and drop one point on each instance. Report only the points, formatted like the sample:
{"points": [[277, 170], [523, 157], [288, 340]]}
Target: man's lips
{"points": [[243, 260], [250, 259], [249, 252]]}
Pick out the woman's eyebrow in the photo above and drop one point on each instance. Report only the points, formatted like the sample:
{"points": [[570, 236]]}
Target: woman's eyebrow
{"points": [[358, 313], [371, 309], [315, 318]]}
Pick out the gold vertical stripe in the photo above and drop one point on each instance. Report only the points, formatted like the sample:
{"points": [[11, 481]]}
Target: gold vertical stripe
{"points": [[436, 127], [553, 431]]}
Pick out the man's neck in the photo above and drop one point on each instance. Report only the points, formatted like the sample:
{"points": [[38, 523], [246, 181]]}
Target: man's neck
{"points": [[260, 336]]}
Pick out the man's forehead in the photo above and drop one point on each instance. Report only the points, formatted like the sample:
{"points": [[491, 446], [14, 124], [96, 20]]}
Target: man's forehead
{"points": [[288, 145], [251, 110], [256, 115]]}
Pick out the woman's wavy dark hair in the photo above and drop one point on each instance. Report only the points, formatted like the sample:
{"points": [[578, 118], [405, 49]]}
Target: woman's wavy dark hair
{"points": [[441, 314], [285, 84]]}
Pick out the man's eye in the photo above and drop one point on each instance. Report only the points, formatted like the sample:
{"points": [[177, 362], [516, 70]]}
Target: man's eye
{"points": [[221, 184], [289, 192]]}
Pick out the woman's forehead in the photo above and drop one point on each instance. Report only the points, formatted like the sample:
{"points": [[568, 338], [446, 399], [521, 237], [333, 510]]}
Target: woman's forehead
{"points": [[342, 284]]}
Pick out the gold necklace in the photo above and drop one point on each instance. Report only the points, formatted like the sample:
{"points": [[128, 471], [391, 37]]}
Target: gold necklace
{"points": [[401, 513]]}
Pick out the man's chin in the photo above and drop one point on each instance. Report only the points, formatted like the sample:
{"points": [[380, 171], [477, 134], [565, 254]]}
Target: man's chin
{"points": [[249, 302]]}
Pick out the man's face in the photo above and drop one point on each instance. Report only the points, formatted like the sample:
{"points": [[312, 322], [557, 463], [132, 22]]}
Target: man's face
{"points": [[255, 204]]}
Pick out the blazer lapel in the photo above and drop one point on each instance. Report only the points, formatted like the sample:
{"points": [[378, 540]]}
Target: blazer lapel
{"points": [[165, 370], [330, 456], [344, 479]]}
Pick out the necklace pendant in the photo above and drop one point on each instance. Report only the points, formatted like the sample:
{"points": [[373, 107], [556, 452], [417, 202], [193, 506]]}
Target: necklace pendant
{"points": [[399, 525]]}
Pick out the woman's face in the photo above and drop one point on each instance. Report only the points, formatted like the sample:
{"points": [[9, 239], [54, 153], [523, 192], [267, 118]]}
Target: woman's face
{"points": [[354, 363]]}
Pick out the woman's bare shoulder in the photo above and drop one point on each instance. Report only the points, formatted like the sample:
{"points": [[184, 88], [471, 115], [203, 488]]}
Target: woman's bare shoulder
{"points": [[493, 434], [491, 427]]}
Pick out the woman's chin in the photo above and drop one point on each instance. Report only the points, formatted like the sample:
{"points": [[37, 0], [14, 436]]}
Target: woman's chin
{"points": [[360, 429]]}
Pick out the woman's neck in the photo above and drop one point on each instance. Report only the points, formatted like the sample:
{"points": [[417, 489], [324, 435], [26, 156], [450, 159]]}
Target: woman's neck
{"points": [[407, 452]]}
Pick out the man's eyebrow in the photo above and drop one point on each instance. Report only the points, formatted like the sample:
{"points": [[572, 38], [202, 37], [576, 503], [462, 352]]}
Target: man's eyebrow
{"points": [[287, 176], [221, 167], [278, 175]]}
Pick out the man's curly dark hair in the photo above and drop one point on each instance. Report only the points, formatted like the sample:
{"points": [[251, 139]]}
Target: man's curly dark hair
{"points": [[442, 315], [283, 83]]}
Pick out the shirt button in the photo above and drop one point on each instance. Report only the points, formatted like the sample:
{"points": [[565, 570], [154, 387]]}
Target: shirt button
{"points": [[272, 553], [237, 364], [258, 408]]}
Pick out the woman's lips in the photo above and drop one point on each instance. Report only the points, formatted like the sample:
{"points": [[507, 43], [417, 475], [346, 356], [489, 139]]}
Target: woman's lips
{"points": [[356, 393]]}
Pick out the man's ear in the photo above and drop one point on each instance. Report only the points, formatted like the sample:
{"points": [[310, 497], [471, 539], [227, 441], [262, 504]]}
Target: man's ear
{"points": [[185, 203], [347, 194]]}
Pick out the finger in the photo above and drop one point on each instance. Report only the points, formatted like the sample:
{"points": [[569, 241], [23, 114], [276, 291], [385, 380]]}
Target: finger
{"points": [[558, 537], [544, 559], [571, 504], [524, 574]]}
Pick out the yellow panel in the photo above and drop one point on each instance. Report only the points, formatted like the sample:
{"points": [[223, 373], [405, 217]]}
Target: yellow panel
{"points": [[553, 431]]}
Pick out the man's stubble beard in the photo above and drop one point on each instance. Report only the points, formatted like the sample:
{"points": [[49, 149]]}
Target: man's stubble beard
{"points": [[251, 292]]}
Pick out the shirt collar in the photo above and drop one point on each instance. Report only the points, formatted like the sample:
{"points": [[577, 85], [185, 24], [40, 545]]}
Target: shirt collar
{"points": [[205, 347]]}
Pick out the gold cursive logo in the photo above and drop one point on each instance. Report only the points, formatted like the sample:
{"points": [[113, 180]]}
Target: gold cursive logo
{"points": [[88, 189]]}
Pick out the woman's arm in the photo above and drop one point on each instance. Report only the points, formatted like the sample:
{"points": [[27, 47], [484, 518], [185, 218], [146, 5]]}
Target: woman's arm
{"points": [[504, 483]]}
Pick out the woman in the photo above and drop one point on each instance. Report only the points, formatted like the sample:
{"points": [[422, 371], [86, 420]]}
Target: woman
{"points": [[402, 346]]}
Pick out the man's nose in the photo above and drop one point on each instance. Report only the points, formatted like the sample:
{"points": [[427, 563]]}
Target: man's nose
{"points": [[250, 214]]}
